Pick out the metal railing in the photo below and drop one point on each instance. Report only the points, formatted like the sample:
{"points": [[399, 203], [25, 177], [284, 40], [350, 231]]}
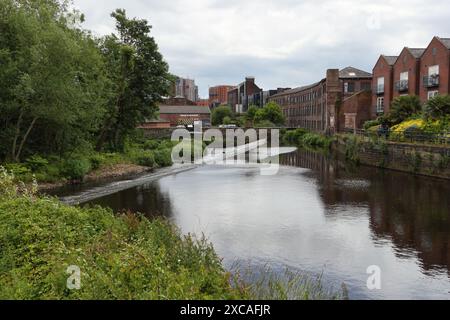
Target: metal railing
{"points": [[441, 138], [431, 81], [379, 89], [402, 85]]}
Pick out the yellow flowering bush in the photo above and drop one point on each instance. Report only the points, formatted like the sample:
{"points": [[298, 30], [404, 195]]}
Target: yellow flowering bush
{"points": [[402, 127]]}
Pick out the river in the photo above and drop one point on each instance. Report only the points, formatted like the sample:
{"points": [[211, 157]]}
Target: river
{"points": [[318, 216]]}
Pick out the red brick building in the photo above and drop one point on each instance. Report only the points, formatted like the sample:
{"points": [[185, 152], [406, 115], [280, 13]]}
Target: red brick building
{"points": [[407, 72], [218, 95], [355, 111], [203, 103], [238, 97], [178, 101], [185, 115], [383, 79], [317, 107], [435, 69]]}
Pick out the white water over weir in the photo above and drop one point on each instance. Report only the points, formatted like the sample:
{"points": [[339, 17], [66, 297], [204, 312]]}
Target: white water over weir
{"points": [[212, 156]]}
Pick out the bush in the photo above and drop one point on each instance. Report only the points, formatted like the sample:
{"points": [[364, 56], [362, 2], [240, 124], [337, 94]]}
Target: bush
{"points": [[403, 108], [437, 107], [36, 163], [151, 145], [163, 157], [145, 158], [371, 123], [76, 168], [97, 160]]}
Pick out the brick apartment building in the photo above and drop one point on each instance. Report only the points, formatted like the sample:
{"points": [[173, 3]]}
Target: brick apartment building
{"points": [[239, 98], [416, 71], [218, 95], [319, 107], [435, 69], [406, 72], [383, 79], [202, 103]]}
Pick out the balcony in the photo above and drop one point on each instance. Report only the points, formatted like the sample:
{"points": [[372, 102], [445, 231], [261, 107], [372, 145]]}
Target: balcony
{"points": [[402, 85], [431, 81], [379, 89]]}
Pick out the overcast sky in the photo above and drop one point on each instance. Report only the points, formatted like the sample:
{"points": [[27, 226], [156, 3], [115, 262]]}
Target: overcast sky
{"points": [[283, 43]]}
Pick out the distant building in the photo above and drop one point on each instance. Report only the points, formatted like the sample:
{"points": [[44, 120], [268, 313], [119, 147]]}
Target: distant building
{"points": [[178, 101], [185, 115], [240, 97], [186, 88], [317, 107], [406, 73], [203, 102], [155, 124], [218, 95]]}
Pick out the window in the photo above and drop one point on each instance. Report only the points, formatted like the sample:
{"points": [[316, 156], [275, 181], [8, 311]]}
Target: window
{"points": [[433, 70], [432, 94], [404, 76], [380, 105], [349, 87], [380, 84]]}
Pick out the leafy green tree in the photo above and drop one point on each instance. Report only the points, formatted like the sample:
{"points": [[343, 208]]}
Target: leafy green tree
{"points": [[219, 114], [437, 107], [403, 108], [271, 113], [52, 78], [139, 75]]}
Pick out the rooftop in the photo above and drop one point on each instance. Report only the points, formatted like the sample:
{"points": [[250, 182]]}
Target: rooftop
{"points": [[445, 41], [183, 110], [390, 59], [351, 72], [416, 52]]}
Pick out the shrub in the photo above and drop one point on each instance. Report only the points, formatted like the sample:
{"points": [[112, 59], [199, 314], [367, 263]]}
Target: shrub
{"points": [[145, 158], [36, 163], [97, 160], [437, 107], [151, 145], [371, 123], [17, 169], [403, 108], [76, 168], [163, 157]]}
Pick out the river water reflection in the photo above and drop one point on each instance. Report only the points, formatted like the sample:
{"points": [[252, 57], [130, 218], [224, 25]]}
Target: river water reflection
{"points": [[318, 216]]}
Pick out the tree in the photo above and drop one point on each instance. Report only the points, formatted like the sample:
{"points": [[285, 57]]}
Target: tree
{"points": [[139, 75], [403, 108], [251, 114], [219, 114], [53, 76], [271, 113], [437, 107]]}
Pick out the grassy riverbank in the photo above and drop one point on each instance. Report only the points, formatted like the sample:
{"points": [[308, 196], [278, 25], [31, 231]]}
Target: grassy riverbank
{"points": [[304, 138], [119, 256], [138, 155]]}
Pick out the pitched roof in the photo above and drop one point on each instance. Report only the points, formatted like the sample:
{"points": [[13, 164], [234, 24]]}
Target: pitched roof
{"points": [[351, 72], [298, 89], [445, 41], [390, 59], [416, 52], [184, 110]]}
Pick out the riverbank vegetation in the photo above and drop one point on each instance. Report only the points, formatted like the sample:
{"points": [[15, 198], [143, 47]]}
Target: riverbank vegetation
{"points": [[70, 101], [304, 138], [408, 119], [122, 256], [269, 116]]}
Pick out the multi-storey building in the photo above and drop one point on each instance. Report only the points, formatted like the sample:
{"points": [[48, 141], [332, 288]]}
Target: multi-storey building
{"points": [[239, 97], [186, 88], [406, 72], [383, 79], [316, 107], [435, 69], [218, 95]]}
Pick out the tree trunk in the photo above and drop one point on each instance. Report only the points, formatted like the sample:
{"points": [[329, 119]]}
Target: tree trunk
{"points": [[24, 139], [16, 136]]}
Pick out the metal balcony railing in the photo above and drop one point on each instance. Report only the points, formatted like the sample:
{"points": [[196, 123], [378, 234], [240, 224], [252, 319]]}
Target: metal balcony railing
{"points": [[379, 89], [402, 85], [431, 81]]}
